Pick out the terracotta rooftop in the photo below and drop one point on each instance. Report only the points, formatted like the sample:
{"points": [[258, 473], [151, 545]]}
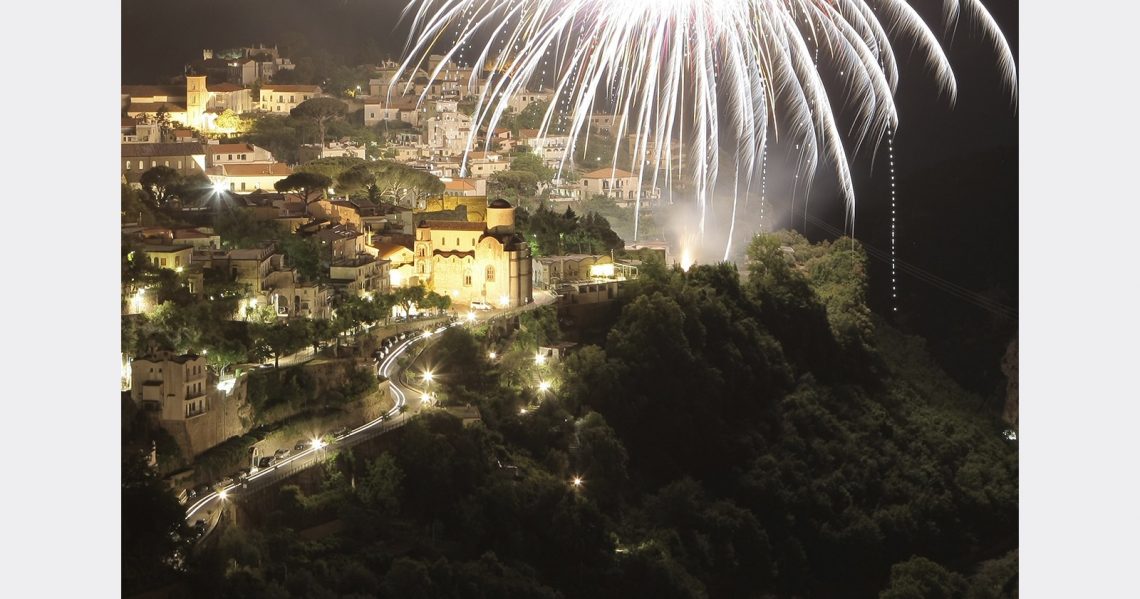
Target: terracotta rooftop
{"points": [[458, 185], [168, 149], [387, 250], [607, 173], [251, 170], [155, 107], [290, 88], [223, 87], [144, 91], [228, 148]]}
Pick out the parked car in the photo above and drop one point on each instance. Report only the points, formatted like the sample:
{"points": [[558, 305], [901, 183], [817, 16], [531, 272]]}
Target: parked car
{"points": [[281, 454], [478, 305], [266, 461], [340, 432], [301, 446]]}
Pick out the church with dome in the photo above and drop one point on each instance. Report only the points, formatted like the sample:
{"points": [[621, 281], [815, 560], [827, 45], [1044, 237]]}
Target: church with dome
{"points": [[482, 261]]}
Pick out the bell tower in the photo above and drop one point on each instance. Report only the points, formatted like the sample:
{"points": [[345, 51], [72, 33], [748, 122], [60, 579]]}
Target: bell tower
{"points": [[197, 99]]}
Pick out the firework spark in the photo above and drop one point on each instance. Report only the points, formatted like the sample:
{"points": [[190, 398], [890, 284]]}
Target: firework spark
{"points": [[723, 75]]}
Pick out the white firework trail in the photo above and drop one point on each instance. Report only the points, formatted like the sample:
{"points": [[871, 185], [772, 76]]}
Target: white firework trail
{"points": [[698, 70]]}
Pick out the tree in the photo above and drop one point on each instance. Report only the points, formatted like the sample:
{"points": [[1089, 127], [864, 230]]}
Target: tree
{"points": [[921, 578], [161, 184], [303, 254], [281, 338], [382, 486], [513, 186], [230, 122], [154, 527], [408, 297], [530, 163], [306, 183], [321, 111], [332, 167]]}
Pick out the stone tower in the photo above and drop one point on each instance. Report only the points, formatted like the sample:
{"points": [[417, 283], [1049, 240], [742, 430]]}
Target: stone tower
{"points": [[197, 99]]}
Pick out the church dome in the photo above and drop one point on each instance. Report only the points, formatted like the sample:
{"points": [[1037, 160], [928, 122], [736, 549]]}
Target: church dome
{"points": [[499, 203]]}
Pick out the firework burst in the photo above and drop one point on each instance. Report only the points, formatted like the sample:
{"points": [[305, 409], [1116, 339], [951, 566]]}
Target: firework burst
{"points": [[694, 78]]}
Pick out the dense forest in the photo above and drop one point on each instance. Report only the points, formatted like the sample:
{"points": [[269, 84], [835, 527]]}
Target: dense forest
{"points": [[765, 436]]}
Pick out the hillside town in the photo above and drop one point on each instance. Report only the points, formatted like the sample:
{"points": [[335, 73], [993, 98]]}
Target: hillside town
{"points": [[267, 223]]}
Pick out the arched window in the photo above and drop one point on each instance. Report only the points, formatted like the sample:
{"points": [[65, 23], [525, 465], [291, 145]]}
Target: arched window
{"points": [[467, 277], [490, 274]]}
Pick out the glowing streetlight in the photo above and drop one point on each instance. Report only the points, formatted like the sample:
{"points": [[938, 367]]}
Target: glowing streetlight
{"points": [[470, 317], [522, 411], [425, 398], [539, 359], [223, 494], [219, 187], [505, 301], [544, 386], [492, 355], [427, 376], [318, 444], [577, 482]]}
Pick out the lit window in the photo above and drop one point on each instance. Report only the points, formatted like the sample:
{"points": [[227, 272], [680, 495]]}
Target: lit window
{"points": [[490, 274]]}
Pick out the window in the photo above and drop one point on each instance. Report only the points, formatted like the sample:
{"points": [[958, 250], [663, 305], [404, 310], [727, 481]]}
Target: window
{"points": [[371, 115], [153, 163], [243, 185], [490, 274], [140, 165], [165, 163], [128, 165], [292, 99], [230, 157], [163, 262], [179, 165], [467, 278]]}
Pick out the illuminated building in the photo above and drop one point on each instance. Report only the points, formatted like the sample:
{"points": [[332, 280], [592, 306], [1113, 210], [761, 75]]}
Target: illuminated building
{"points": [[483, 261]]}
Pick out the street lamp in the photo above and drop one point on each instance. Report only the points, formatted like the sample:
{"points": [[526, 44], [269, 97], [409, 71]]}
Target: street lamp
{"points": [[544, 386], [539, 359], [427, 376], [577, 482], [318, 443], [470, 317], [492, 355], [223, 494]]}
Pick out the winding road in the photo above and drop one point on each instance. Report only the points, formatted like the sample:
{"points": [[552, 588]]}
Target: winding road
{"points": [[406, 407]]}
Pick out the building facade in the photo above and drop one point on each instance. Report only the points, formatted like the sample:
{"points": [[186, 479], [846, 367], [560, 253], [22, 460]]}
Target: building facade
{"points": [[476, 261], [280, 99], [174, 386]]}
